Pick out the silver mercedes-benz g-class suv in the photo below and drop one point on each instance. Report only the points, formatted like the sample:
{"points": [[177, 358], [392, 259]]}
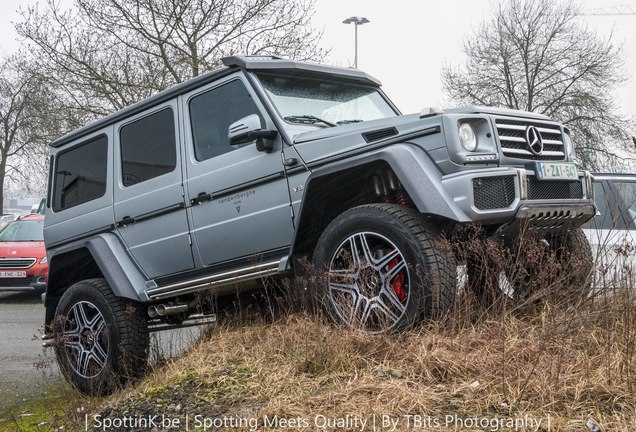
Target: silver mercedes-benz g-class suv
{"points": [[235, 175]]}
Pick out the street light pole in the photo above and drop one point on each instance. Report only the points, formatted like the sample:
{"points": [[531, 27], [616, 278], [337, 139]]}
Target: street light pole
{"points": [[356, 21]]}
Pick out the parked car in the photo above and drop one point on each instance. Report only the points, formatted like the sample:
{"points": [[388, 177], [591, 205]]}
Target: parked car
{"points": [[612, 232], [23, 263], [39, 207], [244, 172]]}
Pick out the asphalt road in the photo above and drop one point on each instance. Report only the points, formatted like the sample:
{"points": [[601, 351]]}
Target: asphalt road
{"points": [[26, 370]]}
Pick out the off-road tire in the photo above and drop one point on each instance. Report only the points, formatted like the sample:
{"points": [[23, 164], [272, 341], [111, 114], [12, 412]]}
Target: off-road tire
{"points": [[429, 273], [107, 345]]}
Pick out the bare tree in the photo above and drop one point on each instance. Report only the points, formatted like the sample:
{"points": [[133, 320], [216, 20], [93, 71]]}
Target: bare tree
{"points": [[537, 55], [103, 55], [22, 142]]}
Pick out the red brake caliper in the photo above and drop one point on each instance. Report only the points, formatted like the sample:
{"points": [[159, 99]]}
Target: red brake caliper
{"points": [[398, 281]]}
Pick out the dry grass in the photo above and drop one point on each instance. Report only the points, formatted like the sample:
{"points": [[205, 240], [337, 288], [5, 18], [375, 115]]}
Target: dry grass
{"points": [[566, 363], [570, 365]]}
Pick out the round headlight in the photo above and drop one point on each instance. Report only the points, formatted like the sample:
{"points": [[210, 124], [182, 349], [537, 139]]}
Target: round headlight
{"points": [[467, 137]]}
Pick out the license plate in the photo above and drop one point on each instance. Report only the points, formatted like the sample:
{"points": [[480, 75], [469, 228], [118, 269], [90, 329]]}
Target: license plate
{"points": [[12, 274], [556, 171]]}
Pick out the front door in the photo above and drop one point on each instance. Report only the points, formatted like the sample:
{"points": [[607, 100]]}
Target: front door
{"points": [[150, 210], [240, 209]]}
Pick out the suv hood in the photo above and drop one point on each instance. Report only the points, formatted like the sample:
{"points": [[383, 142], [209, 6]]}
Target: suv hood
{"points": [[323, 144], [353, 128], [377, 125], [496, 111]]}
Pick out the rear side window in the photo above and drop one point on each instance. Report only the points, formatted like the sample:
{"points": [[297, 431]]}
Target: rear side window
{"points": [[148, 148], [80, 174], [213, 112]]}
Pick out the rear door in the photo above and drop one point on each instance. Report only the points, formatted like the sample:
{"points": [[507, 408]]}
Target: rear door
{"points": [[150, 210]]}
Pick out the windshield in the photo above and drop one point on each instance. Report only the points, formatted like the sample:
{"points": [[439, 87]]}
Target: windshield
{"points": [[322, 102], [23, 231]]}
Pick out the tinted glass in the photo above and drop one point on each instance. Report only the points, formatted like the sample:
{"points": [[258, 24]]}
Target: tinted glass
{"points": [[213, 112], [148, 148], [80, 174], [23, 231]]}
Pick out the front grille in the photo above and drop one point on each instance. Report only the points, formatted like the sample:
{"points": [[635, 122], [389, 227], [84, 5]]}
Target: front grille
{"points": [[512, 136], [552, 189], [16, 263], [493, 192], [16, 282]]}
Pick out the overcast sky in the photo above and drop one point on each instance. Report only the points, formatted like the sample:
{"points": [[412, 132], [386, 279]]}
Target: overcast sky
{"points": [[407, 41]]}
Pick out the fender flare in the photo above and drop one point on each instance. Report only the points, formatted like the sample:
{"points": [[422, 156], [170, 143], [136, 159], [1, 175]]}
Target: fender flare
{"points": [[111, 258], [419, 176]]}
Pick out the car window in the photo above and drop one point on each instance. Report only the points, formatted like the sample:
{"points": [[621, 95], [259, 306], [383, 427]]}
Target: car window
{"points": [[613, 200], [337, 102], [23, 231], [603, 218], [80, 174], [148, 147], [213, 112], [627, 192]]}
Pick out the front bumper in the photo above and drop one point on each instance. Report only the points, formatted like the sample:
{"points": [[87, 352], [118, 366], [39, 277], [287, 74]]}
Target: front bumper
{"points": [[515, 199], [29, 283]]}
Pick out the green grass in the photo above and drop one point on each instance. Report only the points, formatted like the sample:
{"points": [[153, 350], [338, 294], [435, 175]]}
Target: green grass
{"points": [[44, 413]]}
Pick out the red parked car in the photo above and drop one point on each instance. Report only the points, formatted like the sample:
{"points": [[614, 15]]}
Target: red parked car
{"points": [[23, 264]]}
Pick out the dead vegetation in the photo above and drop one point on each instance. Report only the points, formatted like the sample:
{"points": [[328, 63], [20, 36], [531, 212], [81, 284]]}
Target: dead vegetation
{"points": [[568, 365]]}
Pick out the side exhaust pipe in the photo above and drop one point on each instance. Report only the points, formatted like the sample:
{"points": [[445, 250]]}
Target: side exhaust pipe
{"points": [[168, 309], [161, 310]]}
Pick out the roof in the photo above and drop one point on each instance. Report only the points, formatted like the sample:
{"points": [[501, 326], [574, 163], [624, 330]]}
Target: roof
{"points": [[252, 63], [286, 66]]}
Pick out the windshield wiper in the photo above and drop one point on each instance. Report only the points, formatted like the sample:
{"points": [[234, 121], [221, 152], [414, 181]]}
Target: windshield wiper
{"points": [[349, 121], [308, 119]]}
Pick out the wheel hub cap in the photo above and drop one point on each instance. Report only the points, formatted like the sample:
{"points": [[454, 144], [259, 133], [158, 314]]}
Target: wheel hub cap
{"points": [[369, 282], [85, 339]]}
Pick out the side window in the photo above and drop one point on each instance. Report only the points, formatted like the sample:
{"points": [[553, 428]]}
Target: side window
{"points": [[80, 174], [608, 202], [213, 112], [627, 192], [148, 147]]}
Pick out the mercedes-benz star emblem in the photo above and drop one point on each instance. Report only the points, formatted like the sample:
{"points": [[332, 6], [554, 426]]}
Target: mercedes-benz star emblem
{"points": [[534, 140]]}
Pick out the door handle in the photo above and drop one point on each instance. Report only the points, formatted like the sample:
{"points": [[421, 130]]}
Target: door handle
{"points": [[126, 220], [201, 198]]}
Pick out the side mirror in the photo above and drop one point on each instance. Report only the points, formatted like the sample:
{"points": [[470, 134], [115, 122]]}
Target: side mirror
{"points": [[250, 129]]}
